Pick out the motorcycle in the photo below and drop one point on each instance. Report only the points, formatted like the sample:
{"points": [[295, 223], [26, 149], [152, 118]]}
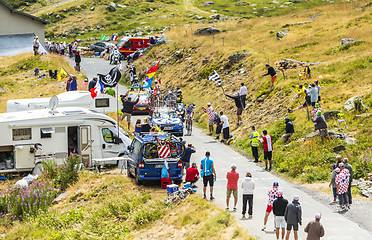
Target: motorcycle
{"points": [[115, 58], [180, 110]]}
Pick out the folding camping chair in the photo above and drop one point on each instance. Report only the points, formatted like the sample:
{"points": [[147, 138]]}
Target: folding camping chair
{"points": [[340, 120]]}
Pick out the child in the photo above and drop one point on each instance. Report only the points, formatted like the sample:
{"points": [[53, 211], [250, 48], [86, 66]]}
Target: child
{"points": [[138, 127]]}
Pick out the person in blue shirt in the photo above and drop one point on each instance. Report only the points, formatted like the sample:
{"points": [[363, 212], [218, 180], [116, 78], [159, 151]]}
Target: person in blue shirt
{"points": [[186, 158], [208, 174], [190, 113]]}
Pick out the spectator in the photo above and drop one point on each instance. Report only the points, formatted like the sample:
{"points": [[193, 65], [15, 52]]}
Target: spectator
{"points": [[293, 217], [350, 169], [162, 37], [316, 108], [128, 109], [255, 142], [232, 186], [62, 49], [270, 71], [333, 184], [209, 110], [110, 91], [74, 47], [267, 147], [243, 94], [70, 53], [138, 127], [217, 121], [317, 86], [35, 45], [192, 175], [92, 83], [225, 127], [314, 229], [77, 61], [279, 206], [342, 181], [208, 174], [248, 189], [146, 127], [313, 94], [321, 125], [73, 84], [289, 130], [272, 196], [301, 93], [239, 107], [190, 149]]}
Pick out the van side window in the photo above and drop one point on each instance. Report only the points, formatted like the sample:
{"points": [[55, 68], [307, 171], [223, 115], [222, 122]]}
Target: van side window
{"points": [[108, 136], [21, 134], [137, 147], [128, 44]]}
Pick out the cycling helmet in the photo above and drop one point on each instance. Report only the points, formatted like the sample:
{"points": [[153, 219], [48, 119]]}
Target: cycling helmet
{"points": [[275, 184]]}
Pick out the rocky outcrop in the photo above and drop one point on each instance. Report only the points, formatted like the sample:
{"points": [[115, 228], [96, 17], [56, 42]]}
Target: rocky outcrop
{"points": [[351, 141], [237, 57], [355, 104], [364, 115], [287, 63], [207, 31], [339, 148], [346, 41], [241, 3], [215, 16], [112, 7], [365, 187], [281, 34], [331, 115], [209, 3]]}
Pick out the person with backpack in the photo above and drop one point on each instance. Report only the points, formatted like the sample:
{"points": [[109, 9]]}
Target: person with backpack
{"points": [[279, 206], [208, 173], [267, 147], [293, 217]]}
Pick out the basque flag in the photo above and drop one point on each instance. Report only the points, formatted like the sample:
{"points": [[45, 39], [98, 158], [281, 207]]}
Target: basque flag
{"points": [[97, 90]]}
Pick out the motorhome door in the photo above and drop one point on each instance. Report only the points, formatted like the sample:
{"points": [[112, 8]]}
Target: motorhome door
{"points": [[24, 157], [85, 144]]}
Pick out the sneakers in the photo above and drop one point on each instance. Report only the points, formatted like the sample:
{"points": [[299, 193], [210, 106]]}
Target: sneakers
{"points": [[255, 161], [209, 134], [266, 169], [205, 197], [227, 209], [234, 209], [250, 217], [212, 198], [243, 217], [241, 123], [218, 137], [263, 228], [332, 202], [269, 168]]}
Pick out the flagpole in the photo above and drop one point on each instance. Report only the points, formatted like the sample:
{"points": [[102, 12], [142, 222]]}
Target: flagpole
{"points": [[117, 106]]}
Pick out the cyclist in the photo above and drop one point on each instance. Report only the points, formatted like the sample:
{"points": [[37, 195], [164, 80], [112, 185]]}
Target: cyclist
{"points": [[190, 113]]}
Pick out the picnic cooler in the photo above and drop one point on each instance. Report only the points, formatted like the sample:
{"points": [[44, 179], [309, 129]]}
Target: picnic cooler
{"points": [[172, 188]]}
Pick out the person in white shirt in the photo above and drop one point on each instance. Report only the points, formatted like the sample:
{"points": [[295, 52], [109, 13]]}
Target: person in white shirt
{"points": [[225, 127], [248, 188], [162, 38], [243, 94], [35, 45]]}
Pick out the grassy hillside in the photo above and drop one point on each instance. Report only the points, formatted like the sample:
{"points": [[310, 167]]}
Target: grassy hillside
{"points": [[111, 206], [349, 68]]}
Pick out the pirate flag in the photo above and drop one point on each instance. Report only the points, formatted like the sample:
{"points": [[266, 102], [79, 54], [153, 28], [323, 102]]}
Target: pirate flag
{"points": [[110, 79]]}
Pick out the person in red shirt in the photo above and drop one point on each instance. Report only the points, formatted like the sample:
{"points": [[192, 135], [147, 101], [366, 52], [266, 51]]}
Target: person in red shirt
{"points": [[267, 147], [232, 186], [192, 174]]}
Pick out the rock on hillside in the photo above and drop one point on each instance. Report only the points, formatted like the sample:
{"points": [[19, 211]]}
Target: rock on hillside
{"points": [[355, 104], [209, 3], [207, 31], [237, 57], [346, 41], [292, 64]]}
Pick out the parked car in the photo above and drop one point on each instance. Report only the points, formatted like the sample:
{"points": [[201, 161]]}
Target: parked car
{"points": [[149, 169], [143, 105], [169, 119], [129, 45], [101, 46]]}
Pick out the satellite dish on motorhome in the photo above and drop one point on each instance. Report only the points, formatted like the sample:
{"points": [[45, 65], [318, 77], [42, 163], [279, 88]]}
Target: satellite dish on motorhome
{"points": [[53, 103]]}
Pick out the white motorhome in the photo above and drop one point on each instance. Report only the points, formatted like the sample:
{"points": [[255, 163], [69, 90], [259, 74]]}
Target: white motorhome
{"points": [[104, 103], [28, 137]]}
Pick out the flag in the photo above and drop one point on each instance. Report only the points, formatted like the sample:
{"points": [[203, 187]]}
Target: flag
{"points": [[150, 75], [97, 90], [103, 37], [215, 77], [147, 83], [112, 78], [114, 38], [62, 74]]}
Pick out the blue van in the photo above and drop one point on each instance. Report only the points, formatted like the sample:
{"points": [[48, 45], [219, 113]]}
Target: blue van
{"points": [[146, 166]]}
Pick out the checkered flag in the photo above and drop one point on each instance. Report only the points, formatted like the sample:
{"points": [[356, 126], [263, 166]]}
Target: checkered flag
{"points": [[215, 77]]}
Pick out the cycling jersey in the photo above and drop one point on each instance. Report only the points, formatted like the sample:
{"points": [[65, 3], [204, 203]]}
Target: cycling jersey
{"points": [[189, 112]]}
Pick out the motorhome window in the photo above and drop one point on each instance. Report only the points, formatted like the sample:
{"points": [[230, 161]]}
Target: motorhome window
{"points": [[108, 136], [46, 132], [21, 134], [102, 102], [128, 44]]}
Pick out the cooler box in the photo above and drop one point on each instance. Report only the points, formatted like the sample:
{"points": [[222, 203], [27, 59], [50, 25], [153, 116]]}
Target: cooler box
{"points": [[96, 54], [172, 188]]}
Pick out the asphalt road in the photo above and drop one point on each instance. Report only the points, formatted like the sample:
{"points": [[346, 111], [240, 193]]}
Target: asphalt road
{"points": [[336, 225]]}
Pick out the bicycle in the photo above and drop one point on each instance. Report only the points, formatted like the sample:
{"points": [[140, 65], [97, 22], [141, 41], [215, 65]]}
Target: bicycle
{"points": [[189, 126], [174, 199], [177, 148]]}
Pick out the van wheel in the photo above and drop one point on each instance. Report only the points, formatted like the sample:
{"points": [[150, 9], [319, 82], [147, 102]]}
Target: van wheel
{"points": [[138, 181]]}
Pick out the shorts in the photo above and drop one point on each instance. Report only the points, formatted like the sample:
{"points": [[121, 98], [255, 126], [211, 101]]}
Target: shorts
{"points": [[218, 129], [273, 78], [185, 165], [268, 155], [269, 208], [208, 179], [323, 132], [210, 122], [319, 98], [226, 133], [36, 48], [193, 181], [280, 222], [233, 191], [126, 115], [239, 111], [313, 104], [295, 227]]}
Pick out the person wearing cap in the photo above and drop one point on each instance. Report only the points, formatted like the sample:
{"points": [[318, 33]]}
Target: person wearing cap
{"points": [[316, 109], [272, 196], [314, 228], [243, 94], [162, 37], [128, 108], [293, 217], [232, 186], [254, 143], [333, 184], [35, 45], [248, 186], [342, 181], [217, 121], [190, 149], [208, 173], [239, 106], [192, 175], [279, 206], [266, 139], [209, 110], [350, 168], [289, 130], [321, 125], [225, 127]]}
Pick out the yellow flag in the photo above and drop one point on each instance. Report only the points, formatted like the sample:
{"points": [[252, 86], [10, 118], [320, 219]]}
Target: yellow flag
{"points": [[62, 74]]}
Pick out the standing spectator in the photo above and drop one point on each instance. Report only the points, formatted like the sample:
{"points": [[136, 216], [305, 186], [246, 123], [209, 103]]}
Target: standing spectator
{"points": [[146, 127], [248, 189], [315, 109], [128, 109], [317, 86], [270, 71], [267, 147], [239, 107], [350, 169], [35, 45], [58, 48], [301, 93], [255, 142], [190, 149], [289, 130], [333, 184], [243, 94], [343, 185], [321, 125], [73, 84], [74, 47], [313, 94], [209, 110], [192, 175], [314, 229], [138, 127], [232, 186], [62, 48], [225, 127], [208, 174], [279, 206], [272, 196], [70, 53], [77, 61], [293, 217], [92, 83], [217, 121]]}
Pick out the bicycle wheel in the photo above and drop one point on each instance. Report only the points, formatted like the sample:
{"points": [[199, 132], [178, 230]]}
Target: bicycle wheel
{"points": [[181, 148], [149, 150]]}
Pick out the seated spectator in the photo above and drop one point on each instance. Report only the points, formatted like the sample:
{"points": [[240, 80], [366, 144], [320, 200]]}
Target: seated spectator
{"points": [[192, 174]]}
